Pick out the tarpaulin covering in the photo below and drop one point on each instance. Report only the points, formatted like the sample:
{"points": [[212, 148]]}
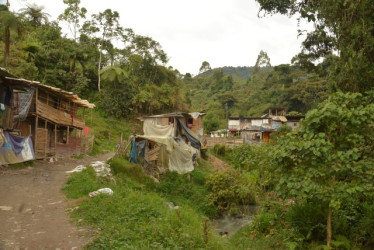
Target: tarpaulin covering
{"points": [[195, 115], [16, 149], [133, 153], [25, 100], [181, 158], [192, 138], [151, 129]]}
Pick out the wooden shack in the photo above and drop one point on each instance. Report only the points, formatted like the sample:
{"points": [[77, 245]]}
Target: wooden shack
{"points": [[54, 118]]}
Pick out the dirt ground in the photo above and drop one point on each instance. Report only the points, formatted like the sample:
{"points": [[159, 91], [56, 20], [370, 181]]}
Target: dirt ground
{"points": [[33, 208], [217, 163]]}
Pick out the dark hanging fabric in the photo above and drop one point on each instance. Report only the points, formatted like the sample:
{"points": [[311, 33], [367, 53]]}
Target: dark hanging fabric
{"points": [[140, 146], [192, 139], [8, 96]]}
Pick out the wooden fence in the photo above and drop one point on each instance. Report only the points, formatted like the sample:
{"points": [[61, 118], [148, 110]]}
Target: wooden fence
{"points": [[227, 141]]}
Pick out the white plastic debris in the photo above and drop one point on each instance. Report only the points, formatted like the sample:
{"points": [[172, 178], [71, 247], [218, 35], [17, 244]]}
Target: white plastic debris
{"points": [[171, 205], [101, 168], [101, 191], [78, 168]]}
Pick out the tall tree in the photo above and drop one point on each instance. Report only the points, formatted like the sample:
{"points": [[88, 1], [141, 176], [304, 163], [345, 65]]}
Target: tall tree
{"points": [[205, 66], [73, 14], [331, 157], [345, 26], [103, 28], [8, 21]]}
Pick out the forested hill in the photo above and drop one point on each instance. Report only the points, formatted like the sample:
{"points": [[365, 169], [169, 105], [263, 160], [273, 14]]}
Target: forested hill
{"points": [[222, 95], [236, 72]]}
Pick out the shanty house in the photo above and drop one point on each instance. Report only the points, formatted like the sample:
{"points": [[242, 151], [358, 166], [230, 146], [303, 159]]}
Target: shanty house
{"points": [[50, 116], [257, 129], [169, 141]]}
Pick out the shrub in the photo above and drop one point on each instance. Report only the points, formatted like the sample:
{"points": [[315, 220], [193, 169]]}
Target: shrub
{"points": [[230, 189], [219, 150]]}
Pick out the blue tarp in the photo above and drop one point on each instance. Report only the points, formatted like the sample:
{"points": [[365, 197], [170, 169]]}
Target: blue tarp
{"points": [[17, 142], [133, 153], [16, 149]]}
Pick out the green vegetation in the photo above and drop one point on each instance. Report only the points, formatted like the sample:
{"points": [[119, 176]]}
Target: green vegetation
{"points": [[138, 214], [316, 185]]}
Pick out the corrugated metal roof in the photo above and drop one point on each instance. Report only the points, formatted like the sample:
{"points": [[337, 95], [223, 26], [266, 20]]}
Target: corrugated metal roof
{"points": [[68, 95]]}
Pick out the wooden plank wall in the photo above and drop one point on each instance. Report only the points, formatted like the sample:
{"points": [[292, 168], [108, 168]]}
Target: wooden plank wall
{"points": [[41, 142], [57, 116]]}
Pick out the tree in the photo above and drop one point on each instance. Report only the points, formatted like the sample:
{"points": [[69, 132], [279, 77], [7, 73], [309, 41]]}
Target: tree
{"points": [[72, 14], [103, 27], [205, 66], [263, 60], [8, 21], [331, 158], [345, 26], [35, 15]]}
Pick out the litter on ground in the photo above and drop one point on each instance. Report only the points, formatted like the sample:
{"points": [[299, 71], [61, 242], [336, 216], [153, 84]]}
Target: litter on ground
{"points": [[101, 168], [101, 191]]}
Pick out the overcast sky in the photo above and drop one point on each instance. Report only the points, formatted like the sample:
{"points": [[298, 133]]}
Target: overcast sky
{"points": [[222, 32]]}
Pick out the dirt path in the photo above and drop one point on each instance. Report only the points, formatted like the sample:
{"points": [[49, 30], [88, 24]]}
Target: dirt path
{"points": [[217, 163], [32, 207]]}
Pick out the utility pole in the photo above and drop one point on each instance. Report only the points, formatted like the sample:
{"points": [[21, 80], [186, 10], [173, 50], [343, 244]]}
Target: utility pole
{"points": [[227, 118]]}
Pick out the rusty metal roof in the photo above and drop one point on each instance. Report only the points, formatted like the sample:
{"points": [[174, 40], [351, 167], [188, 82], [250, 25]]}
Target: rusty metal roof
{"points": [[68, 95]]}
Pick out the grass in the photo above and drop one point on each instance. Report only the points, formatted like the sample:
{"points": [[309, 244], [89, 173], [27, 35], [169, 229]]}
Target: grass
{"points": [[137, 216], [107, 131], [22, 165]]}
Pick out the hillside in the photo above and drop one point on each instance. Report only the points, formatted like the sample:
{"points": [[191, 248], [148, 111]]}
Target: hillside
{"points": [[242, 72]]}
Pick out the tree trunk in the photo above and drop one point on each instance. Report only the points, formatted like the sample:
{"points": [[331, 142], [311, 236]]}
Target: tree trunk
{"points": [[98, 72], [6, 46], [329, 231]]}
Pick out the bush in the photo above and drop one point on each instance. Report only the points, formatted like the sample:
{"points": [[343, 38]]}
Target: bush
{"points": [[230, 189], [188, 189], [219, 150], [308, 218]]}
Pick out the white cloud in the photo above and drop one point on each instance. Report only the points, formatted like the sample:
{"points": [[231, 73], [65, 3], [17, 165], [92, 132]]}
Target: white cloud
{"points": [[222, 32]]}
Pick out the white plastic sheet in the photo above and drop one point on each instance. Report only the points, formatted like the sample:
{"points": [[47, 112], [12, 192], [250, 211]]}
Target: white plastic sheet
{"points": [[151, 129]]}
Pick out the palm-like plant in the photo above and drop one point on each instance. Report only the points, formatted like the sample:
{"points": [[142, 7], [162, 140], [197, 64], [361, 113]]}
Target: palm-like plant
{"points": [[8, 21], [35, 15]]}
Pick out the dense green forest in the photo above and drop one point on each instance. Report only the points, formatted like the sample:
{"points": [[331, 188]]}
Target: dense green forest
{"points": [[315, 187], [111, 65], [124, 73]]}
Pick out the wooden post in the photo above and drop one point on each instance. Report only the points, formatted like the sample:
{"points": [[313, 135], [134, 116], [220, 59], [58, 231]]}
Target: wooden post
{"points": [[67, 135], [46, 142], [36, 122], [55, 139]]}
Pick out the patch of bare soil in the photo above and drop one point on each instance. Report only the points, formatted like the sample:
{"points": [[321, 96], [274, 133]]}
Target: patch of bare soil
{"points": [[33, 208], [217, 163]]}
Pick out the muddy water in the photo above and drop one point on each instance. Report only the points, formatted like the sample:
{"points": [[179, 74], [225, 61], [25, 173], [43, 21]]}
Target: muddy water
{"points": [[229, 225]]}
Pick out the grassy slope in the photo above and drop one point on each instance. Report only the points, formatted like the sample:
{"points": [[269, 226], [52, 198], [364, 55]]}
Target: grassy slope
{"points": [[137, 216], [105, 128]]}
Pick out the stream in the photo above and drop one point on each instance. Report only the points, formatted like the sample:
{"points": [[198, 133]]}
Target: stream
{"points": [[229, 225]]}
